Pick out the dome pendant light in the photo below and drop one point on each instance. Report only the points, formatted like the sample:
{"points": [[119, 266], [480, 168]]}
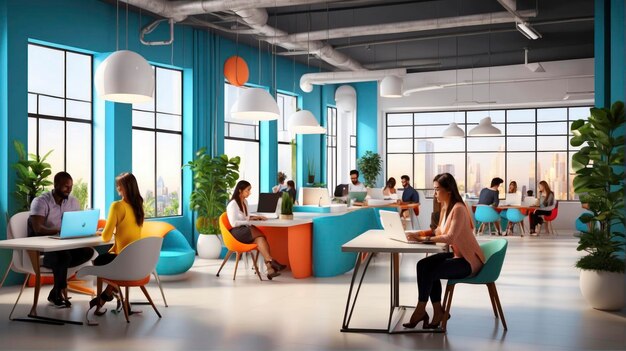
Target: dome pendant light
{"points": [[391, 87], [125, 76], [303, 122], [453, 131], [255, 104], [484, 128]]}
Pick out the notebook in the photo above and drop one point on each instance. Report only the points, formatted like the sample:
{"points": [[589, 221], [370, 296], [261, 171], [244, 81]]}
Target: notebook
{"points": [[393, 227], [78, 224], [268, 204]]}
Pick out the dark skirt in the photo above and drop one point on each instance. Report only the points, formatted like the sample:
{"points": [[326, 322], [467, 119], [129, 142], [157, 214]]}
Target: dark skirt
{"points": [[104, 258], [243, 234]]}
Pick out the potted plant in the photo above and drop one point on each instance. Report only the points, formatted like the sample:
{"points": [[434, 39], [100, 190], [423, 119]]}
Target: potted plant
{"points": [[32, 175], [599, 182], [286, 206], [213, 177], [370, 165], [311, 170]]}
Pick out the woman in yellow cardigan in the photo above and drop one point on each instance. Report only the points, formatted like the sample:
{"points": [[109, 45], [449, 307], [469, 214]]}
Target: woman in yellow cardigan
{"points": [[125, 221]]}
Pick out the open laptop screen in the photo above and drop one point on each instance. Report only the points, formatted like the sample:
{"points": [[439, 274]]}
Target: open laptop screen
{"points": [[268, 202]]}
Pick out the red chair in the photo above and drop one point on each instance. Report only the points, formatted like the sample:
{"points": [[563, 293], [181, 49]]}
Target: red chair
{"points": [[548, 220]]}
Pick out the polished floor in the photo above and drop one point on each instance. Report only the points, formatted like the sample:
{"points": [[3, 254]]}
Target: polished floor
{"points": [[538, 288]]}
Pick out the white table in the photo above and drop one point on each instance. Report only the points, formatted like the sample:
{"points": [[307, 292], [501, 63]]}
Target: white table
{"points": [[376, 241], [34, 246]]}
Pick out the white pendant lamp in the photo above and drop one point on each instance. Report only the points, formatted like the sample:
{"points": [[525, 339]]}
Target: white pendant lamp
{"points": [[453, 131], [125, 76], [255, 104], [391, 87], [484, 128], [303, 122]]}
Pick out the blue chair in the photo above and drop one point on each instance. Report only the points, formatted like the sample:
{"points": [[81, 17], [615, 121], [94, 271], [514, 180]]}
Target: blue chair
{"points": [[176, 257], [514, 217], [494, 252], [486, 215]]}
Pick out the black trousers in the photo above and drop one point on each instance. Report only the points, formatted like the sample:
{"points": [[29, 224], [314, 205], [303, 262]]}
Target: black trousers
{"points": [[104, 258], [61, 261], [432, 269], [536, 219]]}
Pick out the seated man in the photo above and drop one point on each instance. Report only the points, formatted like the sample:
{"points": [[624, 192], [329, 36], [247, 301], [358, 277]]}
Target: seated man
{"points": [[355, 185], [409, 195], [46, 212], [491, 196]]}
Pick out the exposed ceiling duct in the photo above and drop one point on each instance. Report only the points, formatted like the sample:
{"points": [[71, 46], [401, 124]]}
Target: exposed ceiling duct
{"points": [[308, 80]]}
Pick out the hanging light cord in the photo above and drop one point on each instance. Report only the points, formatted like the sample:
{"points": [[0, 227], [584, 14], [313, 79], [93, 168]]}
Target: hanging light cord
{"points": [[117, 25]]}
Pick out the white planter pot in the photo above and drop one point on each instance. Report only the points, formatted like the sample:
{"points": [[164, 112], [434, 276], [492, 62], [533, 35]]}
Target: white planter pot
{"points": [[603, 290], [209, 246]]}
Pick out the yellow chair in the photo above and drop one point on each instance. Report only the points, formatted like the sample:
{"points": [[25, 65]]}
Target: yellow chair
{"points": [[233, 245]]}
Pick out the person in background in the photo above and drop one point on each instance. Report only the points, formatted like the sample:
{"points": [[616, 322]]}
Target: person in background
{"points": [[546, 205], [243, 231], [512, 187], [355, 185], [46, 212], [291, 190], [529, 193], [125, 221], [390, 187], [512, 190], [491, 197], [409, 195], [466, 259], [281, 183]]}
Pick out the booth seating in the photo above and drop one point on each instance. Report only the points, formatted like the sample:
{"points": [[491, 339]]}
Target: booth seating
{"points": [[176, 256]]}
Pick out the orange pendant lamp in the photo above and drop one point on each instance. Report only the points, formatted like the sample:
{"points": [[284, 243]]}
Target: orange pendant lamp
{"points": [[236, 71]]}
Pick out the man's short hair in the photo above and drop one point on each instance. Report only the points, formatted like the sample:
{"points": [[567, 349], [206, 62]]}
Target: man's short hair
{"points": [[496, 181], [354, 171], [61, 176], [405, 177]]}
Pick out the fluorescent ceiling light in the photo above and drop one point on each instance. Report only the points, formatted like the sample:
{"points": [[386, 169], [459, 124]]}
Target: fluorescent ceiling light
{"points": [[255, 104], [125, 76], [528, 31], [453, 131], [484, 128], [303, 122]]}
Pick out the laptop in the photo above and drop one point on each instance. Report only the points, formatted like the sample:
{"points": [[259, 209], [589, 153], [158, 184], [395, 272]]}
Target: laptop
{"points": [[514, 199], [268, 204], [315, 196], [393, 227], [341, 190], [376, 193], [358, 196], [78, 224]]}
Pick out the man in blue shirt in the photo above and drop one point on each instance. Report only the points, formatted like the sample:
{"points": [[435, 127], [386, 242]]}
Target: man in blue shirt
{"points": [[491, 196], [409, 194]]}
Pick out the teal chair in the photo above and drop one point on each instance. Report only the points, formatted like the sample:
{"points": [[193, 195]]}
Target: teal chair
{"points": [[515, 216], [494, 252], [486, 215]]}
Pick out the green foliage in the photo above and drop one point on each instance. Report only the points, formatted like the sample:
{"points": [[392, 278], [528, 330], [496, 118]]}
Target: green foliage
{"points": [[80, 190], [32, 175], [148, 205], [213, 177], [370, 166], [310, 167], [599, 181], [286, 206], [172, 208]]}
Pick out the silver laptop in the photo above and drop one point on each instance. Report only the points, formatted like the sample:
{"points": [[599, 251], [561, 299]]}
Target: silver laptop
{"points": [[514, 199], [268, 205], [78, 224], [376, 193], [393, 227]]}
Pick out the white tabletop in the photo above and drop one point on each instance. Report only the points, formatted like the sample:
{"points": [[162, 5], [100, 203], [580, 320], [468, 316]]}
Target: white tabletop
{"points": [[298, 219], [46, 243], [378, 241]]}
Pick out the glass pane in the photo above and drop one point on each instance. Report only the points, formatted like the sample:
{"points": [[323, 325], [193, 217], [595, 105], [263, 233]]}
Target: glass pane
{"points": [[78, 109], [552, 128], [434, 118], [78, 76], [547, 143], [51, 137], [284, 160], [399, 119], [287, 105], [168, 186], [32, 135], [552, 167], [520, 144], [433, 131], [169, 91], [485, 144], [399, 145], [579, 113], [399, 132], [46, 70], [448, 163], [399, 165], [521, 129], [352, 157], [482, 167], [245, 131], [497, 116], [78, 160], [440, 145], [571, 175], [520, 167], [520, 116], [169, 122], [144, 169], [551, 114], [143, 119], [32, 103], [50, 106], [249, 166]]}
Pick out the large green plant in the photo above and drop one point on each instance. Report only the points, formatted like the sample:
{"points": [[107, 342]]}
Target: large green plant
{"points": [[213, 177], [599, 181], [32, 175], [370, 165], [286, 206]]}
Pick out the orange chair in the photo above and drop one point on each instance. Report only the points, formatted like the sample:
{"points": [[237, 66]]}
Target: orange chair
{"points": [[237, 247]]}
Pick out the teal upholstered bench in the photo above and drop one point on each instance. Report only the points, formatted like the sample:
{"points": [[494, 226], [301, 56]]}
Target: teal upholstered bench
{"points": [[177, 256]]}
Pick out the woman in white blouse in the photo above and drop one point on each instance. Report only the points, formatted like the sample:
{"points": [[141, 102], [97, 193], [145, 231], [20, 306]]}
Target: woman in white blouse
{"points": [[243, 231]]}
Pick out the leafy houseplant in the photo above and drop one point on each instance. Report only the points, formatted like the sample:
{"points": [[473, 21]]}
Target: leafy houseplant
{"points": [[32, 175], [311, 170], [212, 177], [371, 166], [286, 206]]}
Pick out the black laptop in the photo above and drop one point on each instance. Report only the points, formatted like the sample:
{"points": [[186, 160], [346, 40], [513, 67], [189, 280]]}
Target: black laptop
{"points": [[268, 203]]}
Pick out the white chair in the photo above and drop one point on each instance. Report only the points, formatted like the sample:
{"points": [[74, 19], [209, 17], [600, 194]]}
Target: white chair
{"points": [[18, 228], [132, 267]]}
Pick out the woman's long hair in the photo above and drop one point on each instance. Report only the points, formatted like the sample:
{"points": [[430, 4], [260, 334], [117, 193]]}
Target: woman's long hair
{"points": [[128, 182], [447, 182], [514, 183], [391, 183], [241, 186], [548, 191]]}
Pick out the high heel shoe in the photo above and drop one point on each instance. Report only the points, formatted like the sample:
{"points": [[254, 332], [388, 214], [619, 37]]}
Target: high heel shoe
{"points": [[412, 324], [435, 325], [271, 272], [98, 302], [277, 265]]}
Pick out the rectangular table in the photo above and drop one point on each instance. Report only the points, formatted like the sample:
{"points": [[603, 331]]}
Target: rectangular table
{"points": [[34, 246], [376, 241]]}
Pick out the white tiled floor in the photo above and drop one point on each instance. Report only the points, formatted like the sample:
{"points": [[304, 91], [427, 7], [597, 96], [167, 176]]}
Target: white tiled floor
{"points": [[538, 288]]}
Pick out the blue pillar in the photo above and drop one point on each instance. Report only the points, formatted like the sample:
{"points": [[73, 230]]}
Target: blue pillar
{"points": [[118, 139], [268, 155]]}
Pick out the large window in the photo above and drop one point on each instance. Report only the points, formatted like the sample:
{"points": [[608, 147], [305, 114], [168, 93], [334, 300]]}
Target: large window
{"points": [[331, 148], [157, 145], [60, 113], [241, 138], [534, 146], [288, 106]]}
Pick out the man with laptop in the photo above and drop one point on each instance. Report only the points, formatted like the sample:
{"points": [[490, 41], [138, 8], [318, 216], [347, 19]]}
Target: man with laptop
{"points": [[46, 212]]}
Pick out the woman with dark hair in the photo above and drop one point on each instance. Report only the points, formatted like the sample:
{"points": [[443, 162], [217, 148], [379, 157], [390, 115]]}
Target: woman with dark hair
{"points": [[390, 187], [243, 231], [124, 222], [291, 190], [466, 259], [546, 205]]}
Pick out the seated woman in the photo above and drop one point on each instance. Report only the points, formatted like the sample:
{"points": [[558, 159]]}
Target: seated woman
{"points": [[466, 259], [281, 183], [291, 190], [512, 190], [125, 220], [243, 231], [390, 188], [546, 205]]}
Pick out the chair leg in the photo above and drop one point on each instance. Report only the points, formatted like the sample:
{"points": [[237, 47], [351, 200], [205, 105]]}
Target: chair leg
{"points": [[124, 306], [447, 305], [492, 300], [255, 259], [498, 304], [236, 264], [156, 276], [6, 273], [18, 296], [224, 262], [145, 292]]}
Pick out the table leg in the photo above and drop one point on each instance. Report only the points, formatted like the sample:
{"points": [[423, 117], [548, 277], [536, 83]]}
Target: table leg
{"points": [[299, 250], [351, 301], [34, 260]]}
